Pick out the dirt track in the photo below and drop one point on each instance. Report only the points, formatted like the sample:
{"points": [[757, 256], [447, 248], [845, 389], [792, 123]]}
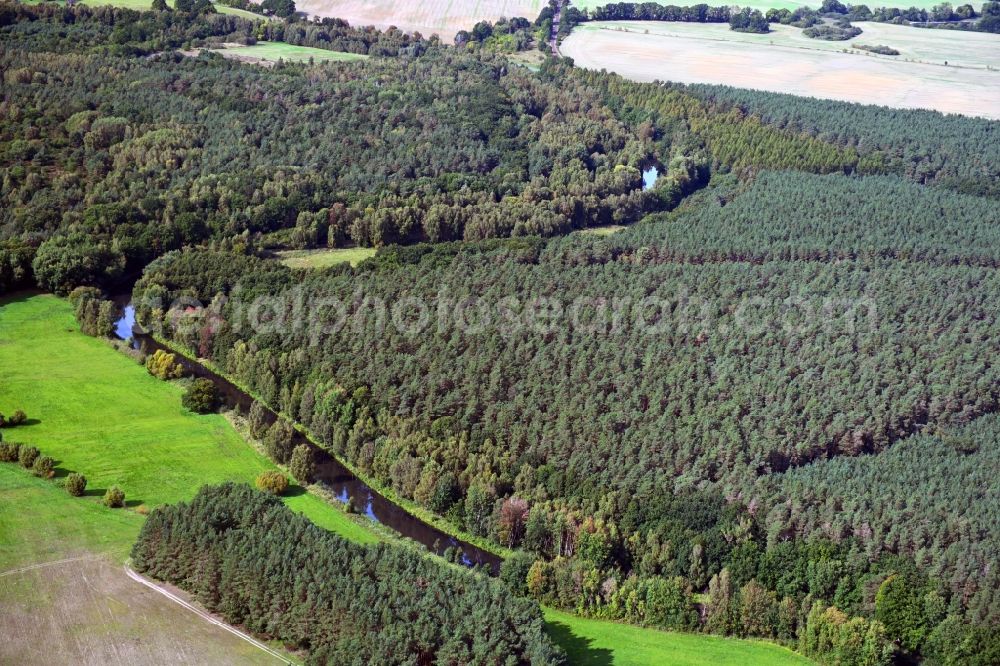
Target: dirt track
{"points": [[87, 610]]}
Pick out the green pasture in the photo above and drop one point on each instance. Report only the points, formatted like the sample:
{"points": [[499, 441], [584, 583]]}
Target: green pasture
{"points": [[603, 643], [98, 412]]}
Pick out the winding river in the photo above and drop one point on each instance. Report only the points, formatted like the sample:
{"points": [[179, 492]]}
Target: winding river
{"points": [[330, 473]]}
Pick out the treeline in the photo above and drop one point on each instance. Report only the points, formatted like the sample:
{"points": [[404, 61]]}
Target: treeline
{"points": [[652, 11], [751, 20], [924, 146], [244, 554]]}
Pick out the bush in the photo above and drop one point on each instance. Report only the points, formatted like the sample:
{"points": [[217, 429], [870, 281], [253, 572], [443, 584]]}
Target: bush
{"points": [[882, 50], [302, 465], [201, 397], [164, 365], [15, 419], [9, 451], [76, 484], [27, 455], [114, 498], [44, 466], [832, 33], [273, 482]]}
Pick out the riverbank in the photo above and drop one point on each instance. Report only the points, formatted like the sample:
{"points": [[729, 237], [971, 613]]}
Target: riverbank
{"points": [[378, 502]]}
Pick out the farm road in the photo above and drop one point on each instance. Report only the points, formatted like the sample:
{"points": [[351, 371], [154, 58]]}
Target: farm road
{"points": [[204, 615]]}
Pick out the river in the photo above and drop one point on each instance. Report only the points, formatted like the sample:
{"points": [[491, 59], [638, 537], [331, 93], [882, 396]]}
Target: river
{"points": [[330, 474]]}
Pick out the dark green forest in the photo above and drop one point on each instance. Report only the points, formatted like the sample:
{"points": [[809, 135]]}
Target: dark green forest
{"points": [[636, 457], [765, 408], [245, 555]]}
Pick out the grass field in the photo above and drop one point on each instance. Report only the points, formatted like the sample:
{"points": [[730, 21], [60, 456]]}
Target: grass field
{"points": [[785, 61], [99, 413], [274, 51], [601, 643], [325, 258]]}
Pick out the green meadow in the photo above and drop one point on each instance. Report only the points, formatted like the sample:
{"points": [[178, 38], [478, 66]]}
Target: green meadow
{"points": [[325, 258], [274, 51], [97, 412], [603, 643]]}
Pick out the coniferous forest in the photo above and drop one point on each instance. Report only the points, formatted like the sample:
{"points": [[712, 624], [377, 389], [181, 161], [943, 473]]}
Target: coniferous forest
{"points": [[244, 554], [767, 407]]}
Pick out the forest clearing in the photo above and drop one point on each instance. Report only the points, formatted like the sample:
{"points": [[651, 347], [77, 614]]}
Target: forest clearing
{"points": [[325, 258], [271, 52]]}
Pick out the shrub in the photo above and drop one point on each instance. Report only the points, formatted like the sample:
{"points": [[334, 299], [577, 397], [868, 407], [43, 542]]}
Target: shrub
{"points": [[26, 456], [76, 484], [273, 482], [164, 365], [17, 418], [44, 466], [883, 50], [9, 451], [114, 497], [201, 397], [302, 466]]}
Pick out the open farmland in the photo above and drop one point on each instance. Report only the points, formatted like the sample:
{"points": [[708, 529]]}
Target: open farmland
{"points": [[444, 17], [61, 578], [785, 61], [764, 5]]}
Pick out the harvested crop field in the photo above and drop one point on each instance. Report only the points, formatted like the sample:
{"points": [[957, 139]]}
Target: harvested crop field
{"points": [[785, 61], [764, 5], [444, 17], [90, 612]]}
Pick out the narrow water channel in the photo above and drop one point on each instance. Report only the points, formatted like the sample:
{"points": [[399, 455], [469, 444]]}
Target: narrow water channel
{"points": [[337, 479]]}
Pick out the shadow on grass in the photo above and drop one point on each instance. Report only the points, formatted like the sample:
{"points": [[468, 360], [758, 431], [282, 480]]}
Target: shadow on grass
{"points": [[294, 490], [578, 649]]}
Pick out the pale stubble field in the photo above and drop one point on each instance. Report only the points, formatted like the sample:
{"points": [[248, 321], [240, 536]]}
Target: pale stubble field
{"points": [[441, 17], [785, 61]]}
